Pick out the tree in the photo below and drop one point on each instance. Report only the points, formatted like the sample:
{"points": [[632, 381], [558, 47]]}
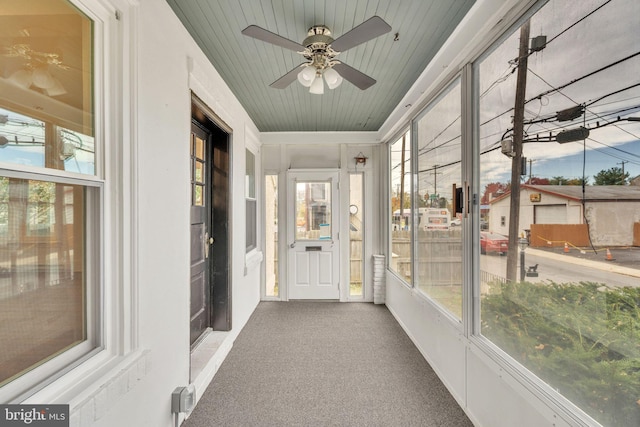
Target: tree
{"points": [[395, 202], [561, 180], [538, 181], [492, 190], [558, 180], [613, 176]]}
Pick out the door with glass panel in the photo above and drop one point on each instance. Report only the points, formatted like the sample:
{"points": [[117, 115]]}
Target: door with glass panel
{"points": [[314, 266], [200, 232]]}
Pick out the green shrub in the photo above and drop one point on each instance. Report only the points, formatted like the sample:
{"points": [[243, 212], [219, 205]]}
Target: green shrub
{"points": [[582, 339]]}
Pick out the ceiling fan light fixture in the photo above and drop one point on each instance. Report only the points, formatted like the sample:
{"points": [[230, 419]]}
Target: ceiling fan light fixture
{"points": [[317, 87], [22, 78], [306, 76], [57, 89], [43, 79], [333, 78]]}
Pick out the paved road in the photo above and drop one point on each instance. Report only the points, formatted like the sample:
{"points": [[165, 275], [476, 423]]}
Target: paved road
{"points": [[559, 267]]}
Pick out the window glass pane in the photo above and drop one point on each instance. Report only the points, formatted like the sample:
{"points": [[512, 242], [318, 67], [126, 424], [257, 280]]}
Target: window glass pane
{"points": [[46, 93], [250, 175], [42, 272], [198, 195], [199, 172], [251, 211], [199, 148], [400, 203], [356, 228], [554, 240], [271, 233], [439, 246], [313, 211]]}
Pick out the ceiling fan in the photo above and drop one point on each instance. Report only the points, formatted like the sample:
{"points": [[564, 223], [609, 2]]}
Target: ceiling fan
{"points": [[35, 69], [320, 50]]}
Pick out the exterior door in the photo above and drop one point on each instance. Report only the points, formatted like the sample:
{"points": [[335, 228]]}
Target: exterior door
{"points": [[314, 247], [200, 231]]}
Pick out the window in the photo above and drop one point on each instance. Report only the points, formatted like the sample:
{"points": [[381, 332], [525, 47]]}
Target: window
{"points": [[271, 235], [544, 187], [356, 234], [438, 255], [251, 202], [313, 210], [48, 285], [400, 206]]}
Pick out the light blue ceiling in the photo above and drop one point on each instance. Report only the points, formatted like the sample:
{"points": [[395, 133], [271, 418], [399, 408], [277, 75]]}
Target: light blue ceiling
{"points": [[249, 66]]}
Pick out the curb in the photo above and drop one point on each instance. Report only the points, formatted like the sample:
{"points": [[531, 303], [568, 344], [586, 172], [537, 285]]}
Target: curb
{"points": [[587, 263]]}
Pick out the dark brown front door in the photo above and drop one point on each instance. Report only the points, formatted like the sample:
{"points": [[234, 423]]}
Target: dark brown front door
{"points": [[201, 238]]}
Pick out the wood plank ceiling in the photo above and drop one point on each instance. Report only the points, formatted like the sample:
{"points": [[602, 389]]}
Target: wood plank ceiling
{"points": [[249, 65]]}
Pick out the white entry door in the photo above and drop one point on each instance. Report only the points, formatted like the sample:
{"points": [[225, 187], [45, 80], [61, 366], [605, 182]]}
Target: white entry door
{"points": [[314, 248]]}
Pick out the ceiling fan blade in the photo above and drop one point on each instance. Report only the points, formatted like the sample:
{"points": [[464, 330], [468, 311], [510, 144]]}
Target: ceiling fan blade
{"points": [[273, 38], [369, 29], [287, 79], [356, 77]]}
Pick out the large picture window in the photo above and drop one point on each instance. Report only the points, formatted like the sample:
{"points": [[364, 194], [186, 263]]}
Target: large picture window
{"points": [[439, 228], [48, 287], [557, 202]]}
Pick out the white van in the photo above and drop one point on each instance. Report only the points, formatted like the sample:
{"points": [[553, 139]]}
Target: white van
{"points": [[434, 218]]}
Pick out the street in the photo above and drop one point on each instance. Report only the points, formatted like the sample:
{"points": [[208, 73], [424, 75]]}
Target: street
{"points": [[561, 268]]}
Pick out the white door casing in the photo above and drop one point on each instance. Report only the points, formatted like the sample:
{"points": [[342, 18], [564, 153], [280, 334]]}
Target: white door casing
{"points": [[313, 234]]}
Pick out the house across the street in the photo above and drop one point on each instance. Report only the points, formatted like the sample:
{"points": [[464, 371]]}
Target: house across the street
{"points": [[608, 211]]}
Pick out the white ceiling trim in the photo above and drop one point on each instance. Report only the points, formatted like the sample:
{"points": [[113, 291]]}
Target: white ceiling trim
{"points": [[314, 138]]}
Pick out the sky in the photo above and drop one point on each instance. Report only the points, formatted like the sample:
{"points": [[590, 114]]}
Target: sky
{"points": [[591, 58]]}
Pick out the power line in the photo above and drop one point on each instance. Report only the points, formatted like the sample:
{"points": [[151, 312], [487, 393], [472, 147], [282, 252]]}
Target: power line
{"points": [[578, 21], [557, 89]]}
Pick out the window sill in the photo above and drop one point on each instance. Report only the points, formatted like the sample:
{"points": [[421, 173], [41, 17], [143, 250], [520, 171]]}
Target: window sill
{"points": [[252, 260]]}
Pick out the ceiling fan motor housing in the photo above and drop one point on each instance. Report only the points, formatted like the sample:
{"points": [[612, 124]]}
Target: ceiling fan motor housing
{"points": [[318, 47]]}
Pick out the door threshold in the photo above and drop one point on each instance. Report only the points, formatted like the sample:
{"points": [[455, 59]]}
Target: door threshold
{"points": [[210, 347]]}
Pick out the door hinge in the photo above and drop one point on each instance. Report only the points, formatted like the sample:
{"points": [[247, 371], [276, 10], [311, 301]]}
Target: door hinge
{"points": [[118, 15]]}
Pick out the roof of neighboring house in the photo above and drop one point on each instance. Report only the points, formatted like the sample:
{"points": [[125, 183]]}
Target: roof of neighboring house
{"points": [[593, 193]]}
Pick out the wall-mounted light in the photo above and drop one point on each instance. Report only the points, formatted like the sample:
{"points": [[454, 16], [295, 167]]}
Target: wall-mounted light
{"points": [[360, 159]]}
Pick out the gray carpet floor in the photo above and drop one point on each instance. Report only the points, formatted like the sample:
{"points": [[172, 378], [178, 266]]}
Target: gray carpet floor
{"points": [[325, 364]]}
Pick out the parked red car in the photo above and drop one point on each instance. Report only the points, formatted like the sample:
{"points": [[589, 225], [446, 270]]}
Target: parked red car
{"points": [[493, 242]]}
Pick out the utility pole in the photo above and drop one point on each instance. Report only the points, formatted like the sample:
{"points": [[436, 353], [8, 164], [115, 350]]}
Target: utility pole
{"points": [[530, 169], [516, 161], [622, 163]]}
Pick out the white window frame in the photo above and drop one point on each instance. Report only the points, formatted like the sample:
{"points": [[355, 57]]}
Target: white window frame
{"points": [[251, 228], [111, 208], [254, 256]]}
